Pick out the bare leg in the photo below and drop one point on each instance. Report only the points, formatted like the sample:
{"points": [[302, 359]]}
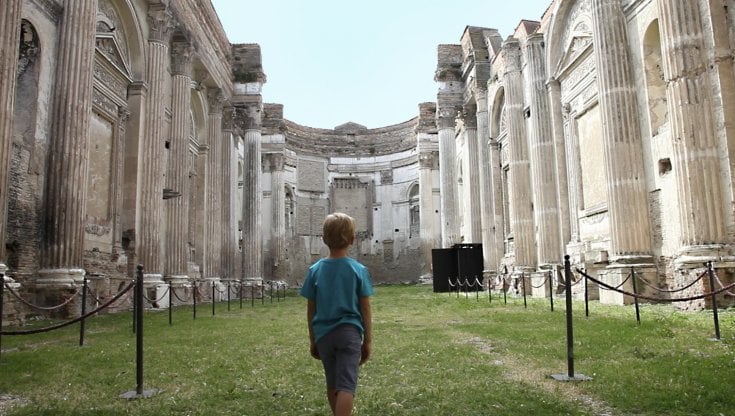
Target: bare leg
{"points": [[332, 397], [343, 403]]}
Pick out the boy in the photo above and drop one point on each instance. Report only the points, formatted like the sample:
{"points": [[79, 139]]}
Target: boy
{"points": [[338, 312]]}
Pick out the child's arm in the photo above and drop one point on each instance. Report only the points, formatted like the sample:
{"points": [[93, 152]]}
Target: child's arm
{"points": [[310, 311], [367, 323]]}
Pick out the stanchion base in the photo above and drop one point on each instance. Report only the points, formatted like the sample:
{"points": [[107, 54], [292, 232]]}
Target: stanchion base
{"points": [[565, 377], [131, 395], [714, 339]]}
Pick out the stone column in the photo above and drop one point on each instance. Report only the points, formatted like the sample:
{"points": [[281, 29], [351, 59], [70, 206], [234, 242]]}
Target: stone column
{"points": [[630, 226], [176, 267], [553, 89], [229, 222], [276, 163], [520, 170], [65, 204], [626, 181], [213, 192], [151, 151], [489, 251], [471, 178], [448, 176], [542, 151], [9, 41], [252, 233], [691, 115]]}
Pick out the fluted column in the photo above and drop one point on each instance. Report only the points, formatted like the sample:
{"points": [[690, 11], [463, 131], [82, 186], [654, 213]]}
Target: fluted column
{"points": [[520, 170], [541, 151], [448, 177], [229, 222], [553, 89], [627, 198], [66, 178], [278, 196], [689, 98], [487, 224], [151, 150], [176, 265], [252, 234], [9, 41], [471, 177], [213, 192]]}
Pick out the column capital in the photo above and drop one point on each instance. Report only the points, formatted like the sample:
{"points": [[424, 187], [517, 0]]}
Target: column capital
{"points": [[428, 159], [160, 20], [447, 117], [511, 52], [216, 100], [248, 116], [469, 116], [182, 56]]}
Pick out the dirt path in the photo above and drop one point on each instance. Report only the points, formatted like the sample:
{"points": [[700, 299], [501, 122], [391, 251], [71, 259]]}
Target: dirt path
{"points": [[518, 370]]}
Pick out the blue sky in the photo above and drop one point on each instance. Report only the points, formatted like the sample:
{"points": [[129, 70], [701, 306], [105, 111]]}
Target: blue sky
{"points": [[370, 62]]}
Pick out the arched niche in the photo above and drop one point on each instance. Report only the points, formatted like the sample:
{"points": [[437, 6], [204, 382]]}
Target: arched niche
{"points": [[654, 76]]}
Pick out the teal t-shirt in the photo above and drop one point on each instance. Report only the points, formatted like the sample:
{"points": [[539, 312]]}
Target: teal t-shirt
{"points": [[336, 285]]}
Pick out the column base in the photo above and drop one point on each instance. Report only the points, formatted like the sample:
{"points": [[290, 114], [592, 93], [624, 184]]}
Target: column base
{"points": [[3, 268], [59, 278], [152, 279], [618, 273], [692, 257]]}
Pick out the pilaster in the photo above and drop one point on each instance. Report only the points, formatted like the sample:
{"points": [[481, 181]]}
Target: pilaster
{"points": [[65, 205], [471, 178], [542, 151], [520, 170], [627, 198], [553, 90], [487, 219], [276, 162], [9, 41], [428, 164], [229, 236]]}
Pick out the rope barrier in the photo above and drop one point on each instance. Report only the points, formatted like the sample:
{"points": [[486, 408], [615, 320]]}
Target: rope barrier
{"points": [[42, 308], [681, 289], [151, 301], [719, 282], [653, 299], [173, 290], [73, 321], [546, 278]]}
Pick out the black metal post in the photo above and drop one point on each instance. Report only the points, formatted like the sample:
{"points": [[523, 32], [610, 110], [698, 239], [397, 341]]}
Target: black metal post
{"points": [[195, 289], [139, 332], [240, 290], [635, 298], [252, 294], [570, 329], [586, 297], [523, 285], [135, 305], [477, 290], [551, 290], [84, 311], [711, 273], [170, 303], [505, 292], [270, 284], [228, 296], [213, 288], [262, 292], [489, 292]]}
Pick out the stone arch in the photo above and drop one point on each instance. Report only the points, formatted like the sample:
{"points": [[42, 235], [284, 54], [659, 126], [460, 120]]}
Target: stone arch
{"points": [[414, 210], [129, 32], [654, 77], [567, 13]]}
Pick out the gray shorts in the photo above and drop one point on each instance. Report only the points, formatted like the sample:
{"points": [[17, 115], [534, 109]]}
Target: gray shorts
{"points": [[340, 352]]}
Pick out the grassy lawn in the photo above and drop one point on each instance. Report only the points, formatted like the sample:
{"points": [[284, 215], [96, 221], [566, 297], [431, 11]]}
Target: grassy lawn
{"points": [[434, 354]]}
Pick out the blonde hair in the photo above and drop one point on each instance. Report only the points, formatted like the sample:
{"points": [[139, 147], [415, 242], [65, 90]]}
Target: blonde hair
{"points": [[338, 230]]}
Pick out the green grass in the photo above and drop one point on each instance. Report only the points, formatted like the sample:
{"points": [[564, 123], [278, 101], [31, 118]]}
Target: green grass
{"points": [[434, 354]]}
